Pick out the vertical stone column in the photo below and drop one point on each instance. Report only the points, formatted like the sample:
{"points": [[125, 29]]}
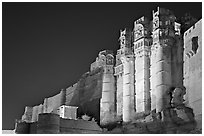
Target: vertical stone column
{"points": [[186, 80], [142, 84], [107, 112], [120, 95], [160, 76], [128, 88]]}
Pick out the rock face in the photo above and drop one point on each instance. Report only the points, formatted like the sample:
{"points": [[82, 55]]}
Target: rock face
{"points": [[177, 97]]}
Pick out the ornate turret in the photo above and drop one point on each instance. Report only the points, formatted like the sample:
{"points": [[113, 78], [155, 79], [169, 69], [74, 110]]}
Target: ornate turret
{"points": [[163, 35], [105, 60], [125, 41], [124, 71], [163, 26], [142, 42]]}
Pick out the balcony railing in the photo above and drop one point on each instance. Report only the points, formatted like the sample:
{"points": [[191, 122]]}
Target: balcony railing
{"points": [[118, 69]]}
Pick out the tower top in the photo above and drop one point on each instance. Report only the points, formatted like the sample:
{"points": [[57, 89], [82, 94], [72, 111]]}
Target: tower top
{"points": [[125, 38], [162, 11], [142, 20], [106, 52]]}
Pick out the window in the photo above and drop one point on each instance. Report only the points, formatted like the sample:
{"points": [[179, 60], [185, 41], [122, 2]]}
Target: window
{"points": [[160, 22], [195, 44], [166, 32], [160, 33], [135, 46]]}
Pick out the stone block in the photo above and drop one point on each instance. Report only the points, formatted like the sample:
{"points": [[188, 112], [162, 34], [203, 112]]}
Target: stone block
{"points": [[108, 96], [162, 97], [108, 86], [163, 78], [128, 89], [108, 78]]}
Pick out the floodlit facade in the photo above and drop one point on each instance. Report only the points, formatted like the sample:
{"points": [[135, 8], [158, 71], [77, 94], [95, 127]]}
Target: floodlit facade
{"points": [[155, 73]]}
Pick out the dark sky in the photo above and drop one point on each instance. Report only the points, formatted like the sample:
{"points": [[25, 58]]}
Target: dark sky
{"points": [[48, 46]]}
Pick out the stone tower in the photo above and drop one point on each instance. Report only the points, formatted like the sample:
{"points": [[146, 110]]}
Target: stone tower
{"points": [[119, 84], [142, 43], [163, 35], [107, 104], [127, 61]]}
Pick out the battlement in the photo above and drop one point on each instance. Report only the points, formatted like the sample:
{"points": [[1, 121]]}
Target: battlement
{"points": [[192, 28], [142, 20], [105, 57], [106, 52], [162, 11]]}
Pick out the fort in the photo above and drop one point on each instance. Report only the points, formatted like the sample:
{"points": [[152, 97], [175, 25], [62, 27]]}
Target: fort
{"points": [[152, 85]]}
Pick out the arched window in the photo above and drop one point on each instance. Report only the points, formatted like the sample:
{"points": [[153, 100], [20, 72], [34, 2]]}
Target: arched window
{"points": [[109, 59]]}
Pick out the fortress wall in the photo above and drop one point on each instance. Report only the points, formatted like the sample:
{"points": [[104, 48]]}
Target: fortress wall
{"points": [[33, 128], [94, 93], [36, 111], [52, 103], [80, 126], [22, 128], [119, 95], [69, 93], [27, 116], [35, 114], [193, 68], [177, 63], [48, 123], [88, 93]]}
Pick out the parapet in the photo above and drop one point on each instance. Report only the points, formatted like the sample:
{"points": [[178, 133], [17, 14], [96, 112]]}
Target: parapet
{"points": [[163, 11], [142, 20], [192, 28], [192, 38], [105, 57], [27, 116], [106, 52]]}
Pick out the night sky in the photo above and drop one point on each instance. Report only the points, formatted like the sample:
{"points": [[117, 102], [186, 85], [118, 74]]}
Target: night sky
{"points": [[48, 46]]}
